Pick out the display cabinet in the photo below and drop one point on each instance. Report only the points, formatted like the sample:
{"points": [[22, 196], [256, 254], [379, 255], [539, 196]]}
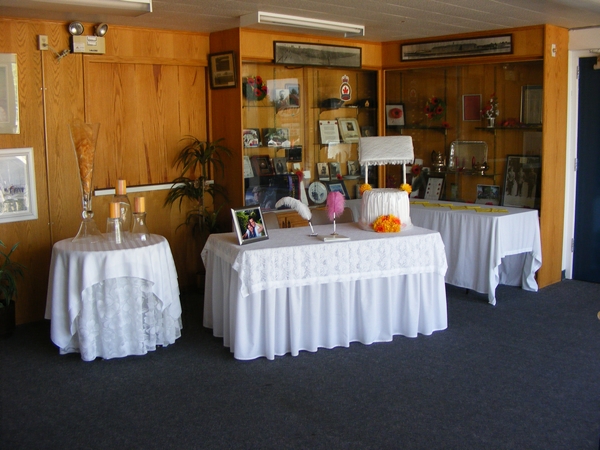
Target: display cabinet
{"points": [[466, 121], [300, 131]]}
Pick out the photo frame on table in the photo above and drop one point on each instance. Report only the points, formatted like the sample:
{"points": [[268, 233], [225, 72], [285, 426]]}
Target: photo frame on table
{"points": [[471, 107], [349, 129], [18, 199], [261, 165], [303, 54], [280, 165], [434, 188], [522, 181], [353, 169], [221, 70], [337, 186], [394, 115], [368, 131], [323, 171], [531, 104], [249, 225], [488, 194], [9, 94], [334, 170]]}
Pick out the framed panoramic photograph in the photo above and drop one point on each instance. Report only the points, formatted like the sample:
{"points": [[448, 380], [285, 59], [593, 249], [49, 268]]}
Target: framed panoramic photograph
{"points": [[491, 45], [471, 107], [522, 181], [303, 54], [394, 115], [349, 129], [9, 94], [338, 186], [18, 200], [249, 225], [221, 70]]}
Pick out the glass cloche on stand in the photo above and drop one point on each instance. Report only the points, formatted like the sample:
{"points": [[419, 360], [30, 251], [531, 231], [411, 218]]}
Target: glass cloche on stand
{"points": [[84, 137]]}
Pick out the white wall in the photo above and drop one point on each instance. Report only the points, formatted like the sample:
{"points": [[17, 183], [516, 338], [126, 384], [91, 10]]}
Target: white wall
{"points": [[580, 43]]}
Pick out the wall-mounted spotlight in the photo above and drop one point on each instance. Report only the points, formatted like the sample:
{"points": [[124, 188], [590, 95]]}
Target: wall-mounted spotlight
{"points": [[75, 28], [101, 29]]}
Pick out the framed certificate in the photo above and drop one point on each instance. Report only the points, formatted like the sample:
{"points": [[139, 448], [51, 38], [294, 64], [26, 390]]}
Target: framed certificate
{"points": [[329, 131]]}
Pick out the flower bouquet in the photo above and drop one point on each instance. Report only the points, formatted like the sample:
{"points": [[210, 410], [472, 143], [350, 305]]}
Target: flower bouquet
{"points": [[254, 88], [435, 108]]}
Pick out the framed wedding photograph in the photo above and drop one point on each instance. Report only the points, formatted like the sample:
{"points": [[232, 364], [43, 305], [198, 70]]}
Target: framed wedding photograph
{"points": [[522, 181], [338, 186], [221, 70], [249, 225], [349, 129], [471, 107], [18, 199], [9, 94], [394, 115]]}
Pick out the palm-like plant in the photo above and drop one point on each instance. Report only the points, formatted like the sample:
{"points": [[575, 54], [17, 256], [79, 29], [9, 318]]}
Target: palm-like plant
{"points": [[195, 160], [9, 271]]}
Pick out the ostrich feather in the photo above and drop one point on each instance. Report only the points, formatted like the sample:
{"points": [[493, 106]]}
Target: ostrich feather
{"points": [[297, 205], [335, 204]]}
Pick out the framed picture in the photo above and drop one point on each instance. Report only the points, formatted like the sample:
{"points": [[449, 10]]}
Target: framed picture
{"points": [[394, 115], [338, 186], [261, 165], [488, 194], [455, 48], [276, 137], [248, 171], [323, 171], [471, 107], [9, 94], [303, 54], [334, 170], [368, 131], [294, 94], [531, 105], [330, 133], [221, 70], [249, 225], [251, 137], [434, 189], [280, 165], [522, 181], [349, 129], [18, 200], [353, 169]]}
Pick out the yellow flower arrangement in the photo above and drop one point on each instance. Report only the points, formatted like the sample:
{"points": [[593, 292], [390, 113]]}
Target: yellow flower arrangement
{"points": [[387, 224], [406, 187], [364, 187]]}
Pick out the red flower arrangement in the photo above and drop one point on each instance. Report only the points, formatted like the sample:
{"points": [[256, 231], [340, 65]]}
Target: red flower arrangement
{"points": [[416, 170], [395, 113], [434, 108], [254, 88]]}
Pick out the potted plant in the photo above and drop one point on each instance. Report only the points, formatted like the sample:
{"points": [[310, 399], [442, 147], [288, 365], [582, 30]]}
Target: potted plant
{"points": [[195, 160], [9, 271]]}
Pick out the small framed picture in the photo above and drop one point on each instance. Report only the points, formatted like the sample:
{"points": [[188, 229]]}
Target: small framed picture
{"points": [[394, 115], [531, 105], [349, 129], [262, 165], [249, 225], [248, 172], [276, 137], [251, 137], [294, 94], [471, 107], [434, 189], [488, 194], [280, 165], [9, 94], [221, 68], [296, 166], [18, 200], [334, 170], [338, 186], [353, 169], [522, 181], [323, 171], [368, 131]]}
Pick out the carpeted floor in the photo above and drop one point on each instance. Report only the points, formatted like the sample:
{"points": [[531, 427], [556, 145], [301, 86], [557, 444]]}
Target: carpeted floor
{"points": [[522, 375]]}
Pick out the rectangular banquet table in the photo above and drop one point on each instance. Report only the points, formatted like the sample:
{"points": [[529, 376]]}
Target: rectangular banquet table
{"points": [[485, 249], [113, 300], [294, 292]]}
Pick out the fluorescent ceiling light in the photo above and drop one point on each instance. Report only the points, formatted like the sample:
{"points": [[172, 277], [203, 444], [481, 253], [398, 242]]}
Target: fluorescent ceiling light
{"points": [[111, 7], [266, 18]]}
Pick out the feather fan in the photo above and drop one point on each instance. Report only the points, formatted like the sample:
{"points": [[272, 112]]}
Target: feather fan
{"points": [[295, 204], [335, 204]]}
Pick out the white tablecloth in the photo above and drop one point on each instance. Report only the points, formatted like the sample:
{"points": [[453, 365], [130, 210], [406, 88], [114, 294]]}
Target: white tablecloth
{"points": [[486, 249], [113, 300], [294, 292]]}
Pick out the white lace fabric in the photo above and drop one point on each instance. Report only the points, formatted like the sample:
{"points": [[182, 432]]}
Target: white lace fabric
{"points": [[308, 260]]}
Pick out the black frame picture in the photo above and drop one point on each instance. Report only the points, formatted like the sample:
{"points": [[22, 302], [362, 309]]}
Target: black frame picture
{"points": [[242, 222], [522, 181], [394, 115], [457, 48], [303, 54], [221, 70], [337, 186]]}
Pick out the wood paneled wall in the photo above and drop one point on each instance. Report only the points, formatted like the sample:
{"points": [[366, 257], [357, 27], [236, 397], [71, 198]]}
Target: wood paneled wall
{"points": [[147, 92]]}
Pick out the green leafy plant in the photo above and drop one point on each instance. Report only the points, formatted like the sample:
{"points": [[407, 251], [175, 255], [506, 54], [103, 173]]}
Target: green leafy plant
{"points": [[9, 272], [195, 160]]}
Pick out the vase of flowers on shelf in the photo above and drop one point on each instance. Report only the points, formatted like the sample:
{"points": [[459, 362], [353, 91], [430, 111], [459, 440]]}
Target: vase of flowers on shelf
{"points": [[435, 108], [491, 111], [254, 88]]}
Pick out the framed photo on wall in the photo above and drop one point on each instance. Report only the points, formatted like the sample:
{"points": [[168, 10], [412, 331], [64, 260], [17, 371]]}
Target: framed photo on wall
{"points": [[249, 225], [338, 186], [221, 70], [522, 181], [349, 129], [18, 199], [471, 107], [9, 94], [394, 115]]}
